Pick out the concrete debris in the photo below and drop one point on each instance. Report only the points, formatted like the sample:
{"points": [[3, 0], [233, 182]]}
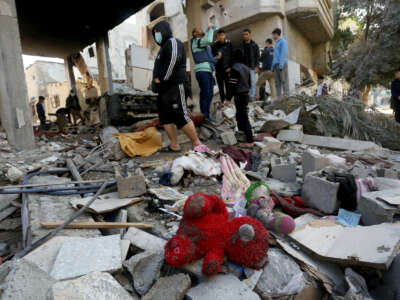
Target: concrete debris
{"points": [[281, 276], [145, 268], [80, 257], [320, 193], [228, 138], [144, 240], [290, 135], [105, 203], [171, 288], [283, 170], [93, 286], [358, 289], [370, 246], [14, 174], [131, 185], [222, 287], [21, 280]]}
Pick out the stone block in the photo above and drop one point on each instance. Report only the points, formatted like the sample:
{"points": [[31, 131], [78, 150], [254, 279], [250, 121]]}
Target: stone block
{"points": [[80, 257], [374, 211], [22, 280], [290, 136], [222, 287], [283, 170], [94, 286], [144, 240], [171, 288], [269, 144], [320, 193], [145, 268], [228, 138], [313, 162], [131, 186]]}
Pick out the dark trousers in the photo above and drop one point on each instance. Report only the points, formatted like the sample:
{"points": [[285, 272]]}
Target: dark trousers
{"points": [[206, 83], [42, 119], [242, 116], [397, 113], [223, 85]]}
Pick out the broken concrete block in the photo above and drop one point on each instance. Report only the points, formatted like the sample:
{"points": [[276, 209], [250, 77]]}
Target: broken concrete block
{"points": [[118, 153], [22, 280], [281, 276], [144, 267], [222, 287], [131, 186], [269, 144], [388, 173], [374, 211], [14, 174], [370, 246], [144, 240], [228, 138], [136, 212], [104, 204], [206, 133], [283, 170], [290, 136], [5, 200], [80, 257], [93, 286], [313, 161], [320, 193], [171, 288]]}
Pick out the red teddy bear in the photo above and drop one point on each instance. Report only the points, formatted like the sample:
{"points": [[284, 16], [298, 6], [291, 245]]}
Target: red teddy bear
{"points": [[205, 230]]}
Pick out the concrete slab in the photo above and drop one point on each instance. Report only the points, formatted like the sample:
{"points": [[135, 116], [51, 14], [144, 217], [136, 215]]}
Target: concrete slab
{"points": [[222, 287], [290, 135], [80, 257], [341, 144], [374, 211], [171, 288], [105, 203], [94, 286], [144, 240], [369, 246]]}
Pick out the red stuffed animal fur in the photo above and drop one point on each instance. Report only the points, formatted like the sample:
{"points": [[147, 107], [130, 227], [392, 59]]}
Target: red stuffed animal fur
{"points": [[206, 231]]}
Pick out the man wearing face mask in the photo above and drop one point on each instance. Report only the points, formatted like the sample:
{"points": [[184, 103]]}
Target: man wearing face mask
{"points": [[169, 78], [73, 106]]}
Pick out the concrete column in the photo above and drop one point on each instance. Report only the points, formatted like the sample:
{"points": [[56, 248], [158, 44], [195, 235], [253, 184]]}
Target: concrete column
{"points": [[15, 111], [104, 65], [69, 72]]}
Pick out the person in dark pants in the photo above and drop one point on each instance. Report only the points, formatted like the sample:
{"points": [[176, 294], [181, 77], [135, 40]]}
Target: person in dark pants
{"points": [[204, 67], [73, 106], [169, 78], [240, 82], [40, 111], [251, 53], [222, 49], [396, 96]]}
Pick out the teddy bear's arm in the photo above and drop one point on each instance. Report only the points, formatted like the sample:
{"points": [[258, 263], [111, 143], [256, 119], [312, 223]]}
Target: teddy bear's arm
{"points": [[213, 261]]}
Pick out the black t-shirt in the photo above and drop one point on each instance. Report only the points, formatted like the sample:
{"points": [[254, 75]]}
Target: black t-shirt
{"points": [[247, 53]]}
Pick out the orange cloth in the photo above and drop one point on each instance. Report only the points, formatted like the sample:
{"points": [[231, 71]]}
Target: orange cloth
{"points": [[142, 143]]}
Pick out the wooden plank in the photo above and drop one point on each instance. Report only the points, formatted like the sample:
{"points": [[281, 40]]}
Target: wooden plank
{"points": [[96, 225], [49, 184]]}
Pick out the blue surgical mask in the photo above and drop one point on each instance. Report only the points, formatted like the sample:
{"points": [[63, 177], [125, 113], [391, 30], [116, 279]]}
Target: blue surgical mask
{"points": [[158, 37]]}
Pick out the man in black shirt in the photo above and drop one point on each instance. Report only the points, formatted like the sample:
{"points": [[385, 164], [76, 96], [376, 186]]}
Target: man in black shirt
{"points": [[396, 96], [251, 53], [222, 49], [74, 107]]}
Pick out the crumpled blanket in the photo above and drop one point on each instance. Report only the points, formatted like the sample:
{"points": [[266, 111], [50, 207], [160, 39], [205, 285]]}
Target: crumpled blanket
{"points": [[142, 143]]}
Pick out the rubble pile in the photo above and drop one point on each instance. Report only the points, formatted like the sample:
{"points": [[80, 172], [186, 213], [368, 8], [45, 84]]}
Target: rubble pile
{"points": [[339, 199]]}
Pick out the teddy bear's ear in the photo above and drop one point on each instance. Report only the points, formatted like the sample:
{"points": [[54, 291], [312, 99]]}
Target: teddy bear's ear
{"points": [[246, 233]]}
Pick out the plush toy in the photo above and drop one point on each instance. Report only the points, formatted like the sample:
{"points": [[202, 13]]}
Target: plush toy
{"points": [[206, 231], [260, 206]]}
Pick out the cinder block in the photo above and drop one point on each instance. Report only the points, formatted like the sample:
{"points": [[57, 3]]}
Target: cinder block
{"points": [[228, 138], [320, 193], [283, 170], [290, 136], [313, 162], [131, 186]]}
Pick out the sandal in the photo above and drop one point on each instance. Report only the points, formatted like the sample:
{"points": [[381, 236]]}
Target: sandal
{"points": [[169, 149]]}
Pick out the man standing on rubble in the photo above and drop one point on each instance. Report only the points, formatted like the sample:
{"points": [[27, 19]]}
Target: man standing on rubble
{"points": [[266, 71], [204, 67], [396, 96], [251, 53], [40, 111], [222, 49], [279, 64], [169, 80], [240, 83], [73, 106]]}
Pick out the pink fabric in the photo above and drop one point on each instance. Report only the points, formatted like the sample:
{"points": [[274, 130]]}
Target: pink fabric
{"points": [[365, 185], [202, 148]]}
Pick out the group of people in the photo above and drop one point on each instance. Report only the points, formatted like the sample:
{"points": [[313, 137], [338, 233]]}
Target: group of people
{"points": [[235, 72], [72, 108]]}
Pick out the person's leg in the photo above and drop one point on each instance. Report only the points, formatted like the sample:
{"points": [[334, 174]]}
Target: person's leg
{"points": [[262, 92], [220, 81], [172, 133], [210, 92], [271, 81], [252, 84], [242, 117], [190, 130], [285, 80], [260, 82], [278, 83], [228, 93], [397, 113], [202, 81]]}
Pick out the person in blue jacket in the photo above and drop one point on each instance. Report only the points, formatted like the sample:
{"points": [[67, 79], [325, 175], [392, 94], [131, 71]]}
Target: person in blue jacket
{"points": [[279, 64]]}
